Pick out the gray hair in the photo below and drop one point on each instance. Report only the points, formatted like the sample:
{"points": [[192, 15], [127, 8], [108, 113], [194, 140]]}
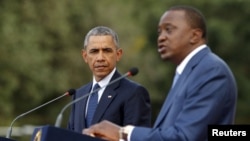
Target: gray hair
{"points": [[99, 31]]}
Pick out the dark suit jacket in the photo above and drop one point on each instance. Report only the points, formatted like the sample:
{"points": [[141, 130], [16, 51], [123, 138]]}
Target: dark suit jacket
{"points": [[129, 104], [204, 94]]}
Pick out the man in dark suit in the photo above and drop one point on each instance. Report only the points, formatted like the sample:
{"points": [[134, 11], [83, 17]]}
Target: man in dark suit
{"points": [[204, 90], [123, 102]]}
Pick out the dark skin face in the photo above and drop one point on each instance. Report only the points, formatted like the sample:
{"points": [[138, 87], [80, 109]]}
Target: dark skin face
{"points": [[176, 38], [101, 55]]}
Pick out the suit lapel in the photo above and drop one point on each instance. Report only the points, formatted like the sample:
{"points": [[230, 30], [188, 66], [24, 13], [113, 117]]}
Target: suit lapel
{"points": [[170, 99], [82, 105], [83, 115], [107, 97], [179, 86]]}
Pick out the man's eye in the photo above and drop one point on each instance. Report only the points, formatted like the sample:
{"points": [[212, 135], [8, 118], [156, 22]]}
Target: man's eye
{"points": [[159, 31], [93, 51], [108, 50], [169, 29]]}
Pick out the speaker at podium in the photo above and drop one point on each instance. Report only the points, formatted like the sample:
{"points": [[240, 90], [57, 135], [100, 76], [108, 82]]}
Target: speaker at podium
{"points": [[51, 133]]}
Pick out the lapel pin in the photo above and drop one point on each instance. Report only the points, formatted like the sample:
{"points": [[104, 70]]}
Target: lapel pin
{"points": [[110, 96]]}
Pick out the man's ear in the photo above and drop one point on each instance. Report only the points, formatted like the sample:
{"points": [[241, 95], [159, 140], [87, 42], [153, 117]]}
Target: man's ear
{"points": [[196, 36], [119, 53], [84, 55]]}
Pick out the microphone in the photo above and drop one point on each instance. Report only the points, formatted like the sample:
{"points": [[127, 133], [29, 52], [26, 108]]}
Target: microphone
{"points": [[131, 72], [68, 93]]}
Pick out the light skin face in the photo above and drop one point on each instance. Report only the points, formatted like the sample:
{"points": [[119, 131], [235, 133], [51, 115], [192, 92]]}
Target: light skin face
{"points": [[101, 55], [176, 39]]}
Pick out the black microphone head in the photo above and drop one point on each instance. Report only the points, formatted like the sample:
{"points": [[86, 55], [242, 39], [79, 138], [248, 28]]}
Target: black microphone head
{"points": [[133, 71], [71, 92]]}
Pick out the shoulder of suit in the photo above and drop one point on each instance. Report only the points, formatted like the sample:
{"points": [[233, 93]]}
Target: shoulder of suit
{"points": [[84, 88]]}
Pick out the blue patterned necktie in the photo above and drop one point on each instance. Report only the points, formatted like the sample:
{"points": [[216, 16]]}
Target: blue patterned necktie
{"points": [[93, 102]]}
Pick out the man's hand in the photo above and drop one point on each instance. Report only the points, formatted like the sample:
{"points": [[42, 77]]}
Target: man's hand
{"points": [[105, 130]]}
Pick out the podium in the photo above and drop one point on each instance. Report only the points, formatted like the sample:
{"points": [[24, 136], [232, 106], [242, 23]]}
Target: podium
{"points": [[51, 133], [6, 139]]}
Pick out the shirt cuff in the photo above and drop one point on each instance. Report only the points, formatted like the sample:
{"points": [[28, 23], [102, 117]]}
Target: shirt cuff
{"points": [[130, 129]]}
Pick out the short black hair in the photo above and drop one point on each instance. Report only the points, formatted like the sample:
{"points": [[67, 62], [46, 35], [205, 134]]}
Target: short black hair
{"points": [[194, 17]]}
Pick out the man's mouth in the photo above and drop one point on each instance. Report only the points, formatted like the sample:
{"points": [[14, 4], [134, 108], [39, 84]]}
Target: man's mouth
{"points": [[161, 49]]}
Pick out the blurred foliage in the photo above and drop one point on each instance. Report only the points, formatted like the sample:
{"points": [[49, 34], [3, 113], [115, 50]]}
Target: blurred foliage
{"points": [[41, 41]]}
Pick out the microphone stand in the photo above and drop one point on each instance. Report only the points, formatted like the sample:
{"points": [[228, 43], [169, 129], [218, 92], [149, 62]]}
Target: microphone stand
{"points": [[9, 131]]}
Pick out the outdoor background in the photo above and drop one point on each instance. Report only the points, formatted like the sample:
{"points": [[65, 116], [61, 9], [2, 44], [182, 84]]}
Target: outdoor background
{"points": [[41, 41]]}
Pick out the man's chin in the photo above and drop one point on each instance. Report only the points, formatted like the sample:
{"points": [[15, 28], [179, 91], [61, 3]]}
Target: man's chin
{"points": [[100, 76], [164, 57]]}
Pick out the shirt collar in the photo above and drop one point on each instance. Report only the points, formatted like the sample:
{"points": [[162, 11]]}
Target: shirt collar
{"points": [[105, 80], [183, 64]]}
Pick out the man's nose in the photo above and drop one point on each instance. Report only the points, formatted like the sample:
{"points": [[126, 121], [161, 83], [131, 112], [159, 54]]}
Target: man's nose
{"points": [[162, 36], [100, 55]]}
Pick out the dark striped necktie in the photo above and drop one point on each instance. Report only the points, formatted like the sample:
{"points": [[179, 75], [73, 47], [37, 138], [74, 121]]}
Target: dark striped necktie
{"points": [[93, 102]]}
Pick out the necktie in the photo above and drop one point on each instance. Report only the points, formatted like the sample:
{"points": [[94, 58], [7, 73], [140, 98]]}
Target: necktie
{"points": [[93, 101], [175, 78]]}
